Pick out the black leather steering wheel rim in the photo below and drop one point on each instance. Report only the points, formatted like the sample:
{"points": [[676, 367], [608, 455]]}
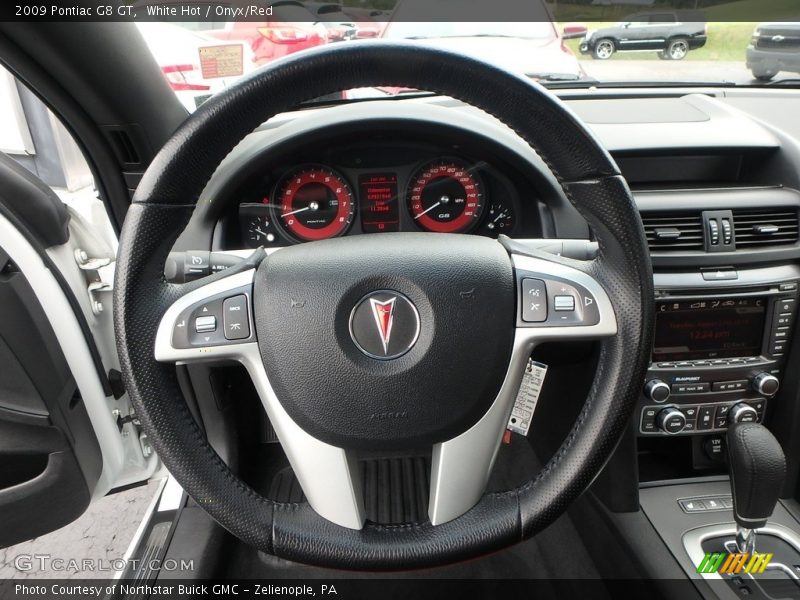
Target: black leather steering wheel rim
{"points": [[161, 208]]}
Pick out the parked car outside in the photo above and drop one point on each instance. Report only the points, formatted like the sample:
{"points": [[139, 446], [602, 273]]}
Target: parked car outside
{"points": [[671, 34], [193, 62], [774, 47]]}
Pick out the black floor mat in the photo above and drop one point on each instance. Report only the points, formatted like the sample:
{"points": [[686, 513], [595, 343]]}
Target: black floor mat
{"points": [[555, 553], [395, 489]]}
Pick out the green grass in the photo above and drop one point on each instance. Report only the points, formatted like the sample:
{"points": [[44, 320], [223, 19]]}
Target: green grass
{"points": [[743, 9], [726, 42], [738, 10]]}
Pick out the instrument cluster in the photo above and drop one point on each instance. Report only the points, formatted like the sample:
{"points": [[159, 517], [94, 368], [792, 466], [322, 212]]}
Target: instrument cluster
{"points": [[362, 192]]}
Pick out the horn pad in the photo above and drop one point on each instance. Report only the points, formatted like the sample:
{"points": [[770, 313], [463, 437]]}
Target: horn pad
{"points": [[389, 342]]}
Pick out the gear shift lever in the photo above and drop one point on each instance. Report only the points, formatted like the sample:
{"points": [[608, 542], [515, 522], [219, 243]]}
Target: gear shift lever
{"points": [[757, 468]]}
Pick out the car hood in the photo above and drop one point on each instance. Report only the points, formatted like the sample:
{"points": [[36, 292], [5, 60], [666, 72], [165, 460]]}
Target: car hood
{"points": [[523, 56]]}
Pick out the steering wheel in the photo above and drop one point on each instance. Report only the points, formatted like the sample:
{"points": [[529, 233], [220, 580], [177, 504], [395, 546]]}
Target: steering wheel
{"points": [[384, 342]]}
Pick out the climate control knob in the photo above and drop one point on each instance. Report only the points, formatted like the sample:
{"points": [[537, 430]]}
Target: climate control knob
{"points": [[742, 413], [766, 384], [671, 420], [656, 390]]}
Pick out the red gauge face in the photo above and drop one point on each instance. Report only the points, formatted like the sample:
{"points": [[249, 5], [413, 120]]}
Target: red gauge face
{"points": [[446, 196], [313, 203]]}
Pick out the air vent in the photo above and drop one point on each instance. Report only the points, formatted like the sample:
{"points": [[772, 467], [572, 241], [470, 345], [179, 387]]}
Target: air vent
{"points": [[765, 227], [674, 231]]}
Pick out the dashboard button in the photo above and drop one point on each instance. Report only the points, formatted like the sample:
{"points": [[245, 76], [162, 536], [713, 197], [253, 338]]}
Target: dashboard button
{"points": [[705, 417], [689, 388], [235, 318], [785, 305], [730, 386]]}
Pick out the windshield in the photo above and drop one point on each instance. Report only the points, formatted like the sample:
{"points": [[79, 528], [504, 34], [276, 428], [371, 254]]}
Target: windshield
{"points": [[598, 43], [420, 31]]}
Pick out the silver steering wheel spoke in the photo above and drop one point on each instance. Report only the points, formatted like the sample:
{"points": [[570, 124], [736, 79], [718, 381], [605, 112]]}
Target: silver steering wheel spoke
{"points": [[554, 302], [328, 475]]}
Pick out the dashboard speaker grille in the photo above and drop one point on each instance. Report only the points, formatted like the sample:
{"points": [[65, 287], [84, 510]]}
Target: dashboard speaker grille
{"points": [[765, 227], [673, 231]]}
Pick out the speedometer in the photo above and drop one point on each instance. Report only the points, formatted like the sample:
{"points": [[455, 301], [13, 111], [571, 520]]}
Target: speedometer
{"points": [[313, 202], [446, 196]]}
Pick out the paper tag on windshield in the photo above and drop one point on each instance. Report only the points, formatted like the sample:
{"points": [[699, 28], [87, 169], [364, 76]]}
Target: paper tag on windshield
{"points": [[221, 61], [525, 404]]}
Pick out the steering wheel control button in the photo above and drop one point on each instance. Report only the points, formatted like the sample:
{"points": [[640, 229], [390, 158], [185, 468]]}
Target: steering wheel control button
{"points": [[384, 325], [235, 318], [552, 302], [534, 300], [564, 303], [211, 323], [205, 324]]}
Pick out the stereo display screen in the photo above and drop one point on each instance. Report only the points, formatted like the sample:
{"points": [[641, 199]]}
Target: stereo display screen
{"points": [[698, 329]]}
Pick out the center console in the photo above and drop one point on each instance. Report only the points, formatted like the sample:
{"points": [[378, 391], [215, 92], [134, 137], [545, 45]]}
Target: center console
{"points": [[721, 338]]}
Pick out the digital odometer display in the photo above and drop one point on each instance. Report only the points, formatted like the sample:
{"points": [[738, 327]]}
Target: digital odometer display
{"points": [[378, 201], [696, 329]]}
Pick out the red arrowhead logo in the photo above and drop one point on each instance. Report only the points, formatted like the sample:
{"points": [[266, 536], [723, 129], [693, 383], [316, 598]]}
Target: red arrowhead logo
{"points": [[382, 311]]}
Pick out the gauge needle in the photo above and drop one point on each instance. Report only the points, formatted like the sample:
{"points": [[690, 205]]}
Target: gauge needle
{"points": [[500, 216], [294, 212], [427, 210], [257, 230]]}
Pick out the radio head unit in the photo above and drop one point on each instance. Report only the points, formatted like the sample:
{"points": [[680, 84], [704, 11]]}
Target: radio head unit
{"points": [[709, 328], [715, 358]]}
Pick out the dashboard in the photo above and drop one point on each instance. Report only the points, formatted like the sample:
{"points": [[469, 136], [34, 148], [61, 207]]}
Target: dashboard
{"points": [[369, 188], [369, 177]]}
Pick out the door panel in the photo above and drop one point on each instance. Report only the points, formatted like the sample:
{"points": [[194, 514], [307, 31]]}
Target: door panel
{"points": [[50, 457]]}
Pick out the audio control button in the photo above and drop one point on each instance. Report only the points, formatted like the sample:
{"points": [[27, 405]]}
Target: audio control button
{"points": [[656, 390], [690, 388], [766, 384], [730, 386]]}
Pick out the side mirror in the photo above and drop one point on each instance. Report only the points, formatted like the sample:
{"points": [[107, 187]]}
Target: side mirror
{"points": [[573, 31]]}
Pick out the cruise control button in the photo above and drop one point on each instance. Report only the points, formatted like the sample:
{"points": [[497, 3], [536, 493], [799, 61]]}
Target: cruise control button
{"points": [[534, 300], [235, 318]]}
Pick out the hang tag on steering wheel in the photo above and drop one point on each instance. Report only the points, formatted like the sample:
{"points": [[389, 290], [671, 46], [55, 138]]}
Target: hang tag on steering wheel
{"points": [[528, 395]]}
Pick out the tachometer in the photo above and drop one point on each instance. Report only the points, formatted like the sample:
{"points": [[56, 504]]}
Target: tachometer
{"points": [[313, 202], [446, 196]]}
